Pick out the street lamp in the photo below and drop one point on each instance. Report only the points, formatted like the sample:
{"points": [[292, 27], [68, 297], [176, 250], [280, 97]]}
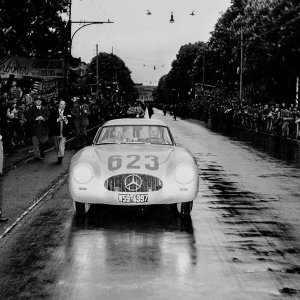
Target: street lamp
{"points": [[172, 18], [85, 24]]}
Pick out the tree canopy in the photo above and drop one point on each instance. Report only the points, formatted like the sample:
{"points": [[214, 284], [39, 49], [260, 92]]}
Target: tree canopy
{"points": [[114, 76], [33, 28], [270, 32]]}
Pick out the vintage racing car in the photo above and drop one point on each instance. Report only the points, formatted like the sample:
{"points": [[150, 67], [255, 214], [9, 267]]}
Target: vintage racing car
{"points": [[133, 162]]}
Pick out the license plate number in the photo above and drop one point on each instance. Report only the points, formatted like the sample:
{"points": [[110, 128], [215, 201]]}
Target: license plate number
{"points": [[129, 198]]}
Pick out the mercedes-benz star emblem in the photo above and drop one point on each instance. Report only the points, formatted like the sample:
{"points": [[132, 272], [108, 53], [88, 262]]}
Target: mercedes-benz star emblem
{"points": [[133, 182]]}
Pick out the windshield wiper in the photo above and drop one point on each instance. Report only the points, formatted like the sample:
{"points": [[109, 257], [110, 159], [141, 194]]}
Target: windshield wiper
{"points": [[106, 143], [132, 143]]}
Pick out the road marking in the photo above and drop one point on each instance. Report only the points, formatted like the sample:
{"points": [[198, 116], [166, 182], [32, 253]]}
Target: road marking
{"points": [[46, 196]]}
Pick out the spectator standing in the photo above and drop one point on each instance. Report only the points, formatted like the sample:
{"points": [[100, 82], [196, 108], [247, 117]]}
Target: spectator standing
{"points": [[140, 111], [1, 175], [150, 110], [1, 156], [21, 123], [270, 118], [12, 122], [118, 110], [16, 91], [39, 115], [277, 120], [286, 116], [164, 110], [297, 122], [80, 113], [174, 111], [58, 127]]}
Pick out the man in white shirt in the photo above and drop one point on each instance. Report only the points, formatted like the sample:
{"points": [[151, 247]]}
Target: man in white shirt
{"points": [[58, 123]]}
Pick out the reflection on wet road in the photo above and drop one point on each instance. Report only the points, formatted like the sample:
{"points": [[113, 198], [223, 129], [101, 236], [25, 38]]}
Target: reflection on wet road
{"points": [[128, 253], [241, 242]]}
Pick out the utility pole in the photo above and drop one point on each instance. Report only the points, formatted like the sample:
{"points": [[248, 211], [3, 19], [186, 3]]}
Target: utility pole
{"points": [[297, 90], [69, 43], [97, 73], [241, 65], [70, 24], [71, 36]]}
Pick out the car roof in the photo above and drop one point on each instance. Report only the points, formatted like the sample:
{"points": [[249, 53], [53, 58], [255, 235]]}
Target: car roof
{"points": [[133, 121]]}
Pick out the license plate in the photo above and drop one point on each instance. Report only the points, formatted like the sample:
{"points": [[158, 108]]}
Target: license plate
{"points": [[136, 198]]}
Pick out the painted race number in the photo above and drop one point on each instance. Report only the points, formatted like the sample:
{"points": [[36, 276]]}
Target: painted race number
{"points": [[132, 162]]}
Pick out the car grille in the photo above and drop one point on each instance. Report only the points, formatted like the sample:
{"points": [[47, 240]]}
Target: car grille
{"points": [[148, 183]]}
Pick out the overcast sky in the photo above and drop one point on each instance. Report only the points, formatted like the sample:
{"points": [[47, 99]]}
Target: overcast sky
{"points": [[143, 41]]}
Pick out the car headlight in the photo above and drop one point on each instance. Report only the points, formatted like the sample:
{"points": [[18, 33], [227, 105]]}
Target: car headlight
{"points": [[184, 174], [83, 174]]}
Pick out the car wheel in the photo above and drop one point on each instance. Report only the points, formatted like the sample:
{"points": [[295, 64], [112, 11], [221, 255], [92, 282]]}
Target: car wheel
{"points": [[185, 208], [81, 208]]}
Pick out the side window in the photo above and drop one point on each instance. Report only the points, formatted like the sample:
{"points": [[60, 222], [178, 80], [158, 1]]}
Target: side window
{"points": [[166, 137], [102, 136]]}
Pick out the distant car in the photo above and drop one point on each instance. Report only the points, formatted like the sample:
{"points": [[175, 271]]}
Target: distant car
{"points": [[133, 162]]}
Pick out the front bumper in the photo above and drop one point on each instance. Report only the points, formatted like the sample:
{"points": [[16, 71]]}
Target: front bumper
{"points": [[98, 194]]}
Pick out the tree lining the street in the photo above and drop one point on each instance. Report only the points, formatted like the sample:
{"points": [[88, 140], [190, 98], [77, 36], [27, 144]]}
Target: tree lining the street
{"points": [[33, 28], [114, 77], [37, 29], [271, 37]]}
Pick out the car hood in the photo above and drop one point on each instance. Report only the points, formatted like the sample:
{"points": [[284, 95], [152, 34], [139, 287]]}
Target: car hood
{"points": [[169, 157], [102, 152], [163, 152]]}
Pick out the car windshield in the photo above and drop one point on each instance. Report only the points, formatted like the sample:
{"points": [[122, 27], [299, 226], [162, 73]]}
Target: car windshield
{"points": [[135, 134]]}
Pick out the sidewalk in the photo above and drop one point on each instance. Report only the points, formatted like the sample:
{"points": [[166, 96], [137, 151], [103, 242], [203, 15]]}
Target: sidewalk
{"points": [[26, 183], [11, 159], [27, 180], [23, 153]]}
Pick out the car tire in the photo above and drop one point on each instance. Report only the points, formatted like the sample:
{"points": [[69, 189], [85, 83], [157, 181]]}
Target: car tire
{"points": [[185, 208], [81, 208]]}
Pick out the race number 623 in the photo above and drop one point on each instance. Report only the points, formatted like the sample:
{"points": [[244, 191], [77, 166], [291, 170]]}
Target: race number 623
{"points": [[133, 162]]}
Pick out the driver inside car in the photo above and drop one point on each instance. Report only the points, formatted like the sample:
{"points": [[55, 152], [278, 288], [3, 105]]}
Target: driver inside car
{"points": [[118, 134], [155, 134]]}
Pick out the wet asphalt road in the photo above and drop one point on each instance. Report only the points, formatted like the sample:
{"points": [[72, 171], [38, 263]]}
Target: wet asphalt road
{"points": [[241, 242]]}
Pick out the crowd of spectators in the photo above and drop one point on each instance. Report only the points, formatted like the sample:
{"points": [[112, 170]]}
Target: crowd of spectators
{"points": [[16, 128], [224, 110]]}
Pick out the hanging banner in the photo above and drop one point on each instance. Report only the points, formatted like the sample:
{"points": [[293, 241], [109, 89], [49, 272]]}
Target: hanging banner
{"points": [[46, 89], [37, 68], [49, 89]]}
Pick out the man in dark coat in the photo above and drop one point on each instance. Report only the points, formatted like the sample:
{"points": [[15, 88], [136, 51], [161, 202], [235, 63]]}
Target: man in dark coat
{"points": [[38, 115], [58, 126], [150, 110], [174, 111], [80, 113], [165, 109]]}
